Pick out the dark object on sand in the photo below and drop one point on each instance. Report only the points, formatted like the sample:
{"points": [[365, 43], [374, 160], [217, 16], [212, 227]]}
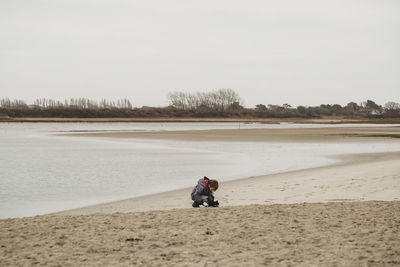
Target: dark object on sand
{"points": [[210, 203], [213, 203]]}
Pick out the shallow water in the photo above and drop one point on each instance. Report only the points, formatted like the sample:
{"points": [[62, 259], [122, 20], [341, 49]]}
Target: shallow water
{"points": [[41, 172]]}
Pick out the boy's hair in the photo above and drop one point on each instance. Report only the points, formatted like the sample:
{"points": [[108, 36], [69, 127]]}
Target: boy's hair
{"points": [[213, 184]]}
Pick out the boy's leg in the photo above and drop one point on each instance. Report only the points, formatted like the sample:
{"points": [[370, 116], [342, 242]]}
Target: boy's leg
{"points": [[204, 199]]}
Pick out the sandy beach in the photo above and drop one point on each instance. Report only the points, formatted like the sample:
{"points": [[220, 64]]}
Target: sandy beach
{"points": [[330, 234], [346, 214]]}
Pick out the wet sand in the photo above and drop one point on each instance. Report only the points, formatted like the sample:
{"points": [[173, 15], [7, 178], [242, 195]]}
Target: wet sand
{"points": [[334, 134]]}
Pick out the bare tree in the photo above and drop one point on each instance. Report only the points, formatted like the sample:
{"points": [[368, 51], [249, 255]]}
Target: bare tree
{"points": [[219, 100], [261, 107], [392, 106], [13, 104], [83, 103]]}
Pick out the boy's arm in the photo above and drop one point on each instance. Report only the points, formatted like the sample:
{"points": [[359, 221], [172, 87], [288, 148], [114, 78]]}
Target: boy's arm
{"points": [[211, 196]]}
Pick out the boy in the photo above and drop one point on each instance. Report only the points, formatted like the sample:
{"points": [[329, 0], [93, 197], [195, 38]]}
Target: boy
{"points": [[202, 193]]}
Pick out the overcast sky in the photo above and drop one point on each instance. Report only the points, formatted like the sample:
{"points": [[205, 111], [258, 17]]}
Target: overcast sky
{"points": [[271, 52]]}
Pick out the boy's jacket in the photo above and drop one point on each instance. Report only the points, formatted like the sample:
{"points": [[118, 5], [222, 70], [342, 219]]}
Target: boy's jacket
{"points": [[201, 189]]}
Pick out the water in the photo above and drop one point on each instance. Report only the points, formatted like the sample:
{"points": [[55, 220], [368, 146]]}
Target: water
{"points": [[41, 172]]}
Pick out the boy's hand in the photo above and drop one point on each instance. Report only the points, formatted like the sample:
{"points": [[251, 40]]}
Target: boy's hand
{"points": [[205, 204]]}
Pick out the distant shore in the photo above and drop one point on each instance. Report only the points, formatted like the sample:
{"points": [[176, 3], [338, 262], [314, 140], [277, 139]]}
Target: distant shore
{"points": [[327, 120], [306, 134]]}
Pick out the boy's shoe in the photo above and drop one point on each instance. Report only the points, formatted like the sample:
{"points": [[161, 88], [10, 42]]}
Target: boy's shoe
{"points": [[214, 204], [195, 204]]}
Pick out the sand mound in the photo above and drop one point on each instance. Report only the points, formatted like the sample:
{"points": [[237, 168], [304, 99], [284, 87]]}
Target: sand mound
{"points": [[321, 234]]}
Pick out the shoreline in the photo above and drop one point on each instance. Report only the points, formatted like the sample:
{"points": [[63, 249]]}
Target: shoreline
{"points": [[327, 120], [306, 183], [277, 188], [308, 135]]}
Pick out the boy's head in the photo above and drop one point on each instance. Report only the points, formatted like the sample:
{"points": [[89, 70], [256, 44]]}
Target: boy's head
{"points": [[213, 185]]}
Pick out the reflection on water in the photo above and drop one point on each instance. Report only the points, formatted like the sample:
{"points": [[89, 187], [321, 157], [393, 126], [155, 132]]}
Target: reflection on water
{"points": [[41, 172]]}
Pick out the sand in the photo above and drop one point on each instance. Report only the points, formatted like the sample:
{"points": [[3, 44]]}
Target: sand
{"points": [[334, 134], [318, 234], [346, 214]]}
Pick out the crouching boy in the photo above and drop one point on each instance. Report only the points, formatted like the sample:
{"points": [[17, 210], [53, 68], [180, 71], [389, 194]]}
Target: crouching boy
{"points": [[202, 193]]}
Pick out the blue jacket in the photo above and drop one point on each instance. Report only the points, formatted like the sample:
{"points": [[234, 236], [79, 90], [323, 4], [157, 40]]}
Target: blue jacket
{"points": [[201, 189]]}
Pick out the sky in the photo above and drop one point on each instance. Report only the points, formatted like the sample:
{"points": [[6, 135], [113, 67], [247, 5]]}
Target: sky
{"points": [[307, 52]]}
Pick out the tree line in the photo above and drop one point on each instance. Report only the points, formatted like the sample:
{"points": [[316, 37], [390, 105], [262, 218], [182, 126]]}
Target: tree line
{"points": [[223, 103], [367, 109], [74, 103]]}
